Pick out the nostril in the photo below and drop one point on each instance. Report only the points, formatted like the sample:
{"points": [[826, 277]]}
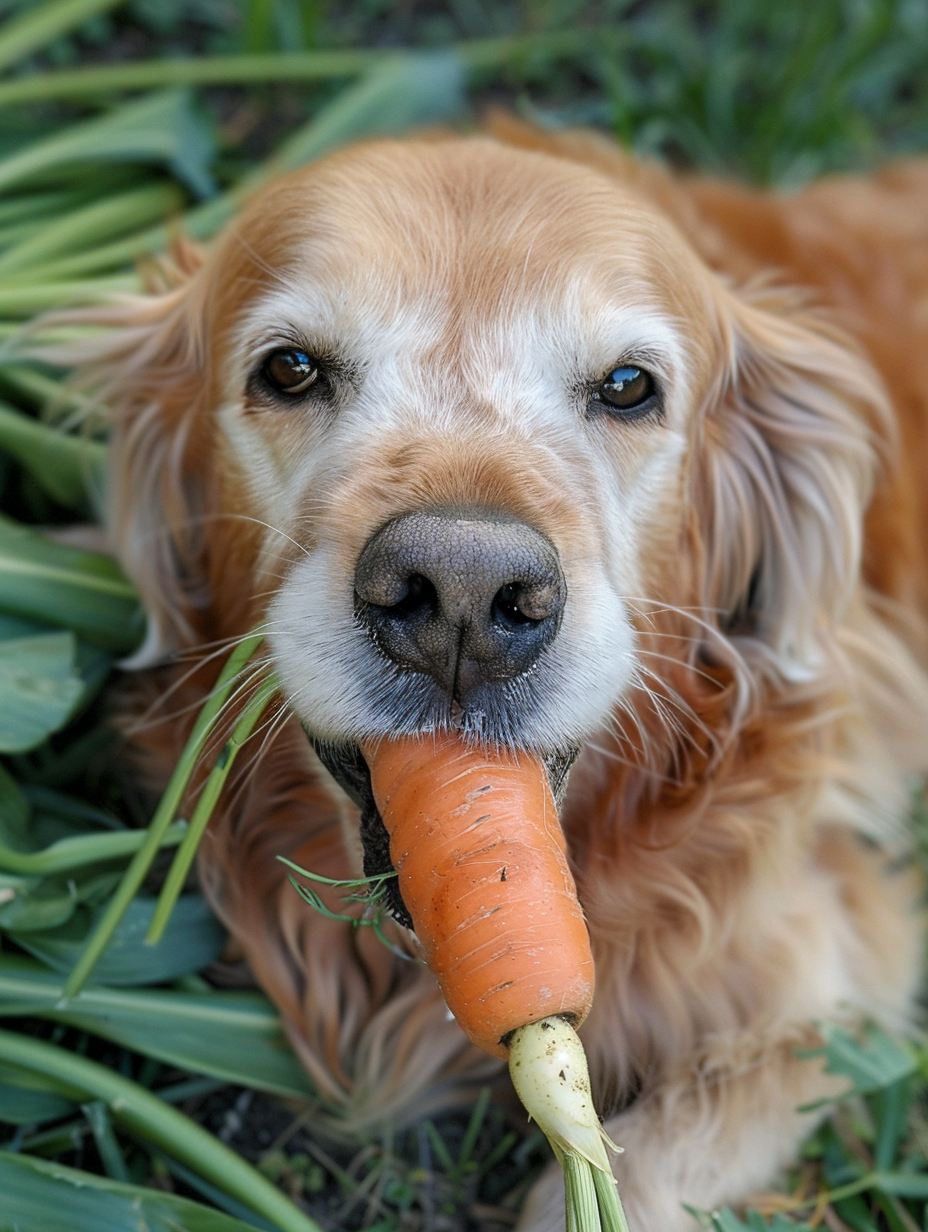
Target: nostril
{"points": [[526, 603], [509, 607], [419, 595]]}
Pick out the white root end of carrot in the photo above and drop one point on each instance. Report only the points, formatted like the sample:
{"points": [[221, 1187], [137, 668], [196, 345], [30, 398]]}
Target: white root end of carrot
{"points": [[548, 1068]]}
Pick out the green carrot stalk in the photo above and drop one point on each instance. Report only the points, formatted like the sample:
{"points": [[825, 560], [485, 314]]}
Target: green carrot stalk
{"points": [[548, 1068]]}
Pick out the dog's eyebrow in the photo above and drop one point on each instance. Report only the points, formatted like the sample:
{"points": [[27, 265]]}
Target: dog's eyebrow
{"points": [[320, 346]]}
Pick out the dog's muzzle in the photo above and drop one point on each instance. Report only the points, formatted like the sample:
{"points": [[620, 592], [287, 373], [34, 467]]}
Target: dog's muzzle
{"points": [[467, 600]]}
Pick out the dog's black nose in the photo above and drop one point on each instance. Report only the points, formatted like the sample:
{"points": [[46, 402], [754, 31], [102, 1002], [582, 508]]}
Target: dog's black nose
{"points": [[465, 598]]}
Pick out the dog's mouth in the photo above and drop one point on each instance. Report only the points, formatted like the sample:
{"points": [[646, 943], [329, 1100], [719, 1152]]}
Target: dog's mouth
{"points": [[345, 762]]}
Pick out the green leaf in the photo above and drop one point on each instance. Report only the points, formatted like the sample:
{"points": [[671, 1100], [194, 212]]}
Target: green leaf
{"points": [[14, 814], [65, 465], [871, 1061], [725, 1220], [194, 938], [41, 579], [234, 1036], [140, 1112], [40, 688], [400, 94], [903, 1184], [34, 904], [164, 128], [855, 1213], [41, 1194], [20, 1106], [100, 221], [38, 26]]}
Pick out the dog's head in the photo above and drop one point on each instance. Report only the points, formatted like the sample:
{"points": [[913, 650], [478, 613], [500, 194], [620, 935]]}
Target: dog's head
{"points": [[464, 424]]}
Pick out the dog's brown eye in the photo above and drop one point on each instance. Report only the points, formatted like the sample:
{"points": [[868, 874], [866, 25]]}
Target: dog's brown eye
{"points": [[626, 388], [290, 371]]}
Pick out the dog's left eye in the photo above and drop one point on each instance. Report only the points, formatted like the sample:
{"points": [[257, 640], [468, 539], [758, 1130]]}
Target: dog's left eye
{"points": [[290, 371], [626, 389]]}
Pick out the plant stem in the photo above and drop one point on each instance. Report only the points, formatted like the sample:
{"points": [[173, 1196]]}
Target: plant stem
{"points": [[101, 80], [145, 1114], [164, 815], [71, 853], [183, 859]]}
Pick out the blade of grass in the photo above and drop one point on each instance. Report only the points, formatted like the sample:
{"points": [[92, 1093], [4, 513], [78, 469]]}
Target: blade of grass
{"points": [[142, 1113], [57, 400], [32, 207], [101, 1126], [212, 1194], [36, 27], [164, 815], [104, 80], [184, 857], [425, 88]]}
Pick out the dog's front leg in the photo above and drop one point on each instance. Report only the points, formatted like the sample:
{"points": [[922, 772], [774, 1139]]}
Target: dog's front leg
{"points": [[713, 1137]]}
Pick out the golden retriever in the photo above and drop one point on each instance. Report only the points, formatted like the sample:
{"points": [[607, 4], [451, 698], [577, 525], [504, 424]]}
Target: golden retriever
{"points": [[694, 416]]}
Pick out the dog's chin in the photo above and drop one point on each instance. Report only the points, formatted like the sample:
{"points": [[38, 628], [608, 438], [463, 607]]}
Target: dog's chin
{"points": [[346, 763]]}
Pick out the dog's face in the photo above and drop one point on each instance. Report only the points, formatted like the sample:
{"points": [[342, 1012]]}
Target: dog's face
{"points": [[462, 395], [487, 414]]}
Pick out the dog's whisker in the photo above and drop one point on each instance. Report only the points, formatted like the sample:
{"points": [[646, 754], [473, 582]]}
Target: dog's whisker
{"points": [[155, 713]]}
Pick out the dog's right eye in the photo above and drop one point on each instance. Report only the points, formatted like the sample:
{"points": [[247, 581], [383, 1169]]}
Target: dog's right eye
{"points": [[290, 371]]}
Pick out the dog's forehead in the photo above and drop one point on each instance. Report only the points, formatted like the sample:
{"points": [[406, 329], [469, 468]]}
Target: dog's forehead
{"points": [[458, 231]]}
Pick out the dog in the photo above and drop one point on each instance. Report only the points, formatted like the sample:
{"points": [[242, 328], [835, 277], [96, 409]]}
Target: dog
{"points": [[700, 412]]}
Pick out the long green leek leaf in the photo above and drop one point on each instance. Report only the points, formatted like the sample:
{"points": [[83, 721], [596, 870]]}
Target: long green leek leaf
{"points": [[142, 1113], [22, 296], [163, 128], [40, 1194], [234, 1036], [102, 80], [101, 220], [41, 579], [66, 466], [401, 92], [37, 27]]}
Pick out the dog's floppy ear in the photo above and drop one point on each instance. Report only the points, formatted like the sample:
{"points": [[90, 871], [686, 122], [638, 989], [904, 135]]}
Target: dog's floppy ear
{"points": [[787, 467], [148, 369]]}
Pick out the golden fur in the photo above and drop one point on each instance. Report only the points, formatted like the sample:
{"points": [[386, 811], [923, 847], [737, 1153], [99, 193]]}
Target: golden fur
{"points": [[743, 657]]}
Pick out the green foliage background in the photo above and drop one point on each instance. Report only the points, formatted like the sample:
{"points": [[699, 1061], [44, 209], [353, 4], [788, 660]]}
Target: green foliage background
{"points": [[116, 121]]}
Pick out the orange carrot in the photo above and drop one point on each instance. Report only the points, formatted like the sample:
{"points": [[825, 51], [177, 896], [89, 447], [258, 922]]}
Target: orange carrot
{"points": [[482, 867]]}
